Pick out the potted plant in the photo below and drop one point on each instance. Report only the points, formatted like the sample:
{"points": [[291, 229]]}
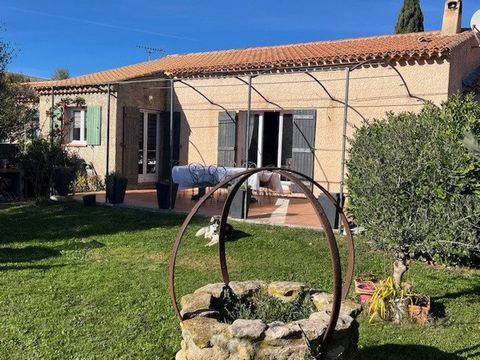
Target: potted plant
{"points": [[89, 200], [419, 308], [365, 287], [389, 301], [163, 192], [116, 186], [62, 179], [241, 202]]}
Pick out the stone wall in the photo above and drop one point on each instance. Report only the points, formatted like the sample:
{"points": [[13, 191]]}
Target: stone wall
{"points": [[206, 336]]}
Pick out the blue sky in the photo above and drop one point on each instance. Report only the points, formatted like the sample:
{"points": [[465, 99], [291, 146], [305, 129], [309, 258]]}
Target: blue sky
{"points": [[87, 36]]}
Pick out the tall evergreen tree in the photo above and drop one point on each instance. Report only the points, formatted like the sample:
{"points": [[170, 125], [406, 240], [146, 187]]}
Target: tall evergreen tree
{"points": [[410, 19]]}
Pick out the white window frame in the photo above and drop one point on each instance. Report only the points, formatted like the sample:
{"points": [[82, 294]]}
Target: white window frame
{"points": [[83, 119]]}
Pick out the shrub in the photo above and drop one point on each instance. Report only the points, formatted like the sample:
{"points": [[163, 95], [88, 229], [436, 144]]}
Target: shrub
{"points": [[266, 308], [40, 161], [415, 187], [87, 182]]}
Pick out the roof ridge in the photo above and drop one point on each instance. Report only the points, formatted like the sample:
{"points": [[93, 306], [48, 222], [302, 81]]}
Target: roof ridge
{"points": [[362, 38]]}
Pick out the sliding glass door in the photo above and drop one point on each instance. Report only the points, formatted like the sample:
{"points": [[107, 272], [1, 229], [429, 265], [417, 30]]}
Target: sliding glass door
{"points": [[270, 139], [148, 145]]}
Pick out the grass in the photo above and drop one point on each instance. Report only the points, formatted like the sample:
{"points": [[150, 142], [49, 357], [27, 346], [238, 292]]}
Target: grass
{"points": [[90, 283]]}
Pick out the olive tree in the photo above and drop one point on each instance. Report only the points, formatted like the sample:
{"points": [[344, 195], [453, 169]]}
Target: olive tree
{"points": [[415, 187], [17, 101]]}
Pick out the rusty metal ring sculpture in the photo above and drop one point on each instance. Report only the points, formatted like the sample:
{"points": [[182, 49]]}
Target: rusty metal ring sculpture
{"points": [[240, 178]]}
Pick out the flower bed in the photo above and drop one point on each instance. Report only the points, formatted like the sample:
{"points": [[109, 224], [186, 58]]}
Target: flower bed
{"points": [[210, 329]]}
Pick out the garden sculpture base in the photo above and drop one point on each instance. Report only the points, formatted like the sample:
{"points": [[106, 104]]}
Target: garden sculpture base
{"points": [[206, 334]]}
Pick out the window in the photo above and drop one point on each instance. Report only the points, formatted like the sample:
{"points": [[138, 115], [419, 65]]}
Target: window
{"points": [[78, 126]]}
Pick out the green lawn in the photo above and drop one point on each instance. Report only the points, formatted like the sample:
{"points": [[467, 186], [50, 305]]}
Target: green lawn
{"points": [[90, 283]]}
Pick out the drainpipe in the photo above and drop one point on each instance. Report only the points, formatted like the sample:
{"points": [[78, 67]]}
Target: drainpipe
{"points": [[107, 160], [344, 136], [247, 131]]}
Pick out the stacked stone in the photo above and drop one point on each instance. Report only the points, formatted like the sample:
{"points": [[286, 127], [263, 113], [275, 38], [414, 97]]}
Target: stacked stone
{"points": [[206, 337]]}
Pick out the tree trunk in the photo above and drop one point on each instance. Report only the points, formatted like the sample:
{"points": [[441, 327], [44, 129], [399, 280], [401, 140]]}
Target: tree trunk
{"points": [[400, 266]]}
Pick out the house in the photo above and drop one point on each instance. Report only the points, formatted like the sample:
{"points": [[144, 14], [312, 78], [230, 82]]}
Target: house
{"points": [[304, 99]]}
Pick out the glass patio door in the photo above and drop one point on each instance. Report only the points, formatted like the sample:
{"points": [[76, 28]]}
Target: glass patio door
{"points": [[148, 147]]}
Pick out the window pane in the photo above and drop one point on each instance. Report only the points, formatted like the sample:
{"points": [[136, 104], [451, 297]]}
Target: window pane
{"points": [[152, 132], [151, 162], [140, 144], [287, 140], [85, 129], [76, 125]]}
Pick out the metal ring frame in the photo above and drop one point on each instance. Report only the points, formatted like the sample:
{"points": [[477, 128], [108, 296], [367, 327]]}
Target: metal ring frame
{"points": [[294, 176]]}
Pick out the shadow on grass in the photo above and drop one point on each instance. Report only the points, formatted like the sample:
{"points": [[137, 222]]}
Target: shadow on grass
{"points": [[29, 267], [474, 291], [239, 234], [26, 254], [53, 222], [80, 245], [406, 352]]}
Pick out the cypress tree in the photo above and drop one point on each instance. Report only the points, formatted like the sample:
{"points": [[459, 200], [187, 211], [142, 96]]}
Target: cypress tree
{"points": [[410, 19]]}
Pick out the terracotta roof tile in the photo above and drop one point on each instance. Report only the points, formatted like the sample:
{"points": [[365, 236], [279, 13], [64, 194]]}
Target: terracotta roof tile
{"points": [[389, 47]]}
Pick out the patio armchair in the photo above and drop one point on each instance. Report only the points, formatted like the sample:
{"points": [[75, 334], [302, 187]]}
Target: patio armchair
{"points": [[197, 173], [220, 174]]}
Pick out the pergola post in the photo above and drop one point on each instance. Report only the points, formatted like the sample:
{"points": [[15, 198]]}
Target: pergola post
{"points": [[247, 131], [107, 160], [52, 117], [170, 187], [344, 136]]}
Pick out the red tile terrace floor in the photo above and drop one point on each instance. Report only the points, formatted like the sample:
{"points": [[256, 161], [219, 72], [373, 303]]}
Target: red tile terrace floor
{"points": [[269, 209]]}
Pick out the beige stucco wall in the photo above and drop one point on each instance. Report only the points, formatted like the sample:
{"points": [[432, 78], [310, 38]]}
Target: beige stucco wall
{"points": [[94, 154], [464, 60], [373, 91]]}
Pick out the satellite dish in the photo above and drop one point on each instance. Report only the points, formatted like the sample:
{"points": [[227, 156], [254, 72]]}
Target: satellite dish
{"points": [[475, 22]]}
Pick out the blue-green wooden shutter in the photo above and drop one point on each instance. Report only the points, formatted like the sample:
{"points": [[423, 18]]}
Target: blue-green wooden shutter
{"points": [[303, 142], [94, 122], [227, 138]]}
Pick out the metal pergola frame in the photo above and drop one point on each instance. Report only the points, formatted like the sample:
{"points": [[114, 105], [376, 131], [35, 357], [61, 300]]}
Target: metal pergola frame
{"points": [[251, 75]]}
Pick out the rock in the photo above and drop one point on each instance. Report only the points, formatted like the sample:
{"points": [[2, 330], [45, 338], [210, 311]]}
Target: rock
{"points": [[323, 302], [344, 321], [192, 303], [201, 330], [214, 314], [180, 355], [213, 289], [252, 329], [247, 288], [289, 351], [279, 330], [314, 327], [286, 290]]}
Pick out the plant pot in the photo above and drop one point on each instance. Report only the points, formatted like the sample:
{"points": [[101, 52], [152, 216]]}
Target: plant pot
{"points": [[330, 209], [89, 200], [116, 190], [63, 178], [419, 309], [240, 200], [163, 192], [365, 290]]}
